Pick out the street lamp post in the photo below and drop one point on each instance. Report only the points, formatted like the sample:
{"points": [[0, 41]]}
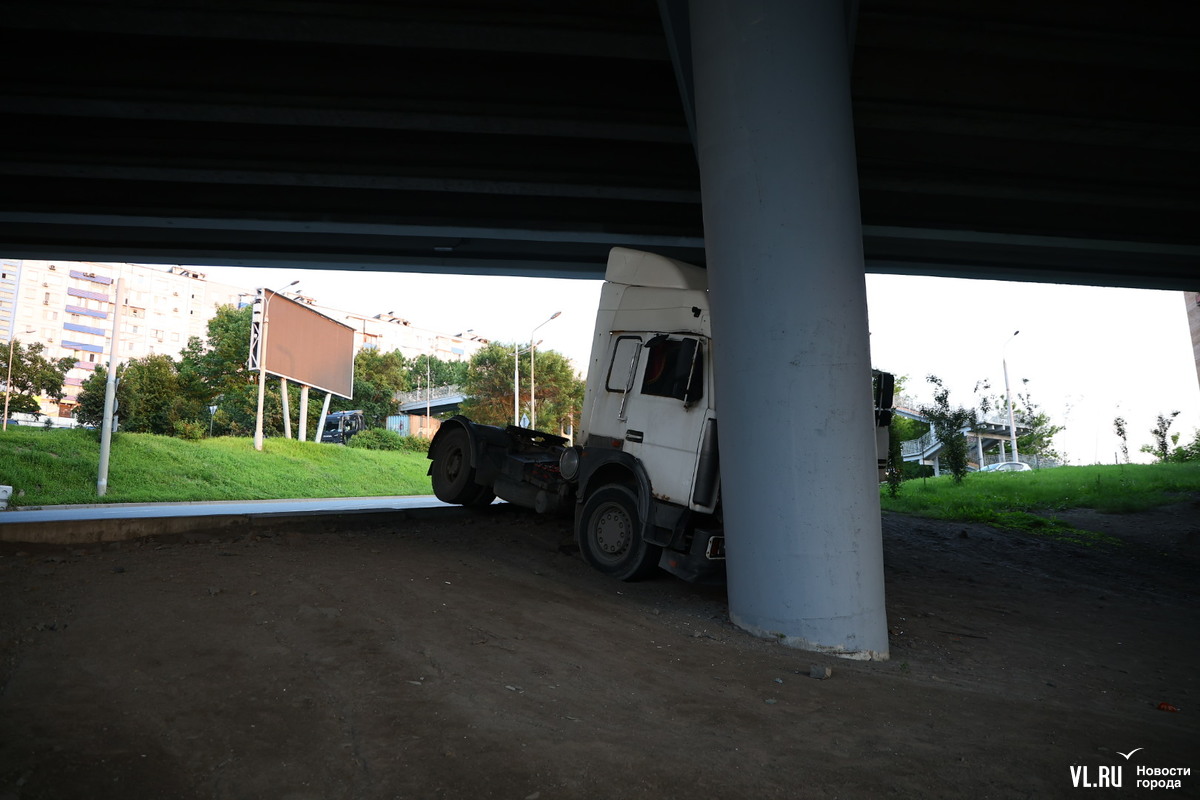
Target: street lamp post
{"points": [[1012, 427], [8, 381], [532, 395], [262, 366], [517, 353]]}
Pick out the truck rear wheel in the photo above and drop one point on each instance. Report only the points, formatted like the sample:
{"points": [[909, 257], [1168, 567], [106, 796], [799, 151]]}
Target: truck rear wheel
{"points": [[452, 474], [610, 537]]}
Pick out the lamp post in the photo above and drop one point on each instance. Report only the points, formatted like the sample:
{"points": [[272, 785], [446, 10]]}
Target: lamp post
{"points": [[262, 365], [517, 353], [429, 387], [532, 395], [8, 381], [1012, 427]]}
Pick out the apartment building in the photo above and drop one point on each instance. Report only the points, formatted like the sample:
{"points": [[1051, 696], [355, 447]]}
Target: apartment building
{"points": [[388, 332], [68, 306]]}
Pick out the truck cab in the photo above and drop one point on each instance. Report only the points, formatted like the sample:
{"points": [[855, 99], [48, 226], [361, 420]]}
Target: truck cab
{"points": [[648, 476], [643, 479]]}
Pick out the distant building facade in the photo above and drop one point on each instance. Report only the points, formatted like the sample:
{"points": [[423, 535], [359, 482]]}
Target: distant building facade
{"points": [[387, 332], [68, 306]]}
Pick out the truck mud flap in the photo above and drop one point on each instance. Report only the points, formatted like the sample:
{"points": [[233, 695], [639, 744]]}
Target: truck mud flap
{"points": [[704, 563]]}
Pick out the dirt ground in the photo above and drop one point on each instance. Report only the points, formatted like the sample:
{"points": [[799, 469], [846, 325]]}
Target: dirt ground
{"points": [[476, 656]]}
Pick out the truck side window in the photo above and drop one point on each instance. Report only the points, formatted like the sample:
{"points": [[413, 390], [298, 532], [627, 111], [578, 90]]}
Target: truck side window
{"points": [[674, 368], [624, 354]]}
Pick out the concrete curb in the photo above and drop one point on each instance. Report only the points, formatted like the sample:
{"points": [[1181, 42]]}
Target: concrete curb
{"points": [[100, 531]]}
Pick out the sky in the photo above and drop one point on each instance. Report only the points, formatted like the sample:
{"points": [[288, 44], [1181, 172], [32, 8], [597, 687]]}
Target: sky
{"points": [[1088, 353]]}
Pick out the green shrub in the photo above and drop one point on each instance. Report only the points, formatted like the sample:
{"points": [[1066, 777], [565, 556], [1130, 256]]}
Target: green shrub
{"points": [[415, 444], [189, 431], [382, 439]]}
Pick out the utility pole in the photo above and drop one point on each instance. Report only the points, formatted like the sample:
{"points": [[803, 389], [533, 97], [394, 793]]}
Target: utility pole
{"points": [[110, 393], [1012, 427], [532, 396]]}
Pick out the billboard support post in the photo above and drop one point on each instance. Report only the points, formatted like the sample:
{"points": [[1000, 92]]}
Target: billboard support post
{"points": [[321, 425], [287, 411], [303, 414]]}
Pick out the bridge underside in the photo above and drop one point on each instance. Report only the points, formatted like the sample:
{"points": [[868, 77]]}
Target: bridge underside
{"points": [[1017, 140], [1024, 140]]}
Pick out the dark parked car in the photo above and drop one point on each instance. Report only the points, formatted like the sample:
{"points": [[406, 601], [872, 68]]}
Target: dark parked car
{"points": [[341, 425]]}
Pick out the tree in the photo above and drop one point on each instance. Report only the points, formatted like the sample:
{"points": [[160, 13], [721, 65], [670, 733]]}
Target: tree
{"points": [[216, 372], [489, 388], [1187, 452], [33, 374], [90, 410], [1038, 441], [148, 396], [436, 371], [1161, 449], [559, 392], [489, 385], [948, 424], [1119, 428], [378, 376]]}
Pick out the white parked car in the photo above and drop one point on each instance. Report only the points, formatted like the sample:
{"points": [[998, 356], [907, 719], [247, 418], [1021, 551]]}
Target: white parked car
{"points": [[1008, 466]]}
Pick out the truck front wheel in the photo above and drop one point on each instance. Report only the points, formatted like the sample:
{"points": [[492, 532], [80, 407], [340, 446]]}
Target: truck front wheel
{"points": [[452, 474], [610, 537]]}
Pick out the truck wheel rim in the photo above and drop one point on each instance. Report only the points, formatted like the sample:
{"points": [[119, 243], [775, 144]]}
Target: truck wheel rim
{"points": [[454, 460], [612, 531]]}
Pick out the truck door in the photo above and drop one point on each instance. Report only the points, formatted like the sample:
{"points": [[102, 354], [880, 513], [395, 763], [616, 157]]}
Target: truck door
{"points": [[663, 411]]}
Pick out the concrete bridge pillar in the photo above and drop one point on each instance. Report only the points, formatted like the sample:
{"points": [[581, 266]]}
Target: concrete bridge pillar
{"points": [[775, 142]]}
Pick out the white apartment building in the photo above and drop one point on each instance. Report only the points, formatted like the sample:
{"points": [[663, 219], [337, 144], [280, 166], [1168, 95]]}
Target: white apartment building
{"points": [[388, 332], [68, 306]]}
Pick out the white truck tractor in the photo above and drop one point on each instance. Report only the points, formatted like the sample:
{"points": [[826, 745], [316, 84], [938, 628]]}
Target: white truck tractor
{"points": [[643, 479]]}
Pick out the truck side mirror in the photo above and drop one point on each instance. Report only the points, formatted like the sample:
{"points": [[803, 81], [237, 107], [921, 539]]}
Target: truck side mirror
{"points": [[885, 388]]}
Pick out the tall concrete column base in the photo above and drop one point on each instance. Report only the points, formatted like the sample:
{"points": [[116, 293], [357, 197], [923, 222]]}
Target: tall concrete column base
{"points": [[775, 142]]}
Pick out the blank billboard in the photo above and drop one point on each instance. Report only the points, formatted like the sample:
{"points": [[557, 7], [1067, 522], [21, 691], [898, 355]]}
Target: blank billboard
{"points": [[308, 347]]}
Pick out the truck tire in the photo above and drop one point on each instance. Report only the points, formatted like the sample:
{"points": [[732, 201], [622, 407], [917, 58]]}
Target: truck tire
{"points": [[453, 476], [610, 538], [483, 497]]}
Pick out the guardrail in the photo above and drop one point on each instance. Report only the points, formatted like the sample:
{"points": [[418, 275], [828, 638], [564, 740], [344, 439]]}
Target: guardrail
{"points": [[436, 393]]}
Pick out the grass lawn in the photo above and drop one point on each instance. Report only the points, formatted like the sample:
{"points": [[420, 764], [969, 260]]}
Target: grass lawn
{"points": [[60, 467], [1010, 499]]}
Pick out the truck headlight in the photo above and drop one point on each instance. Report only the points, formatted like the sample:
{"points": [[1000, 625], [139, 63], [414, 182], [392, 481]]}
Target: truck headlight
{"points": [[568, 463]]}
